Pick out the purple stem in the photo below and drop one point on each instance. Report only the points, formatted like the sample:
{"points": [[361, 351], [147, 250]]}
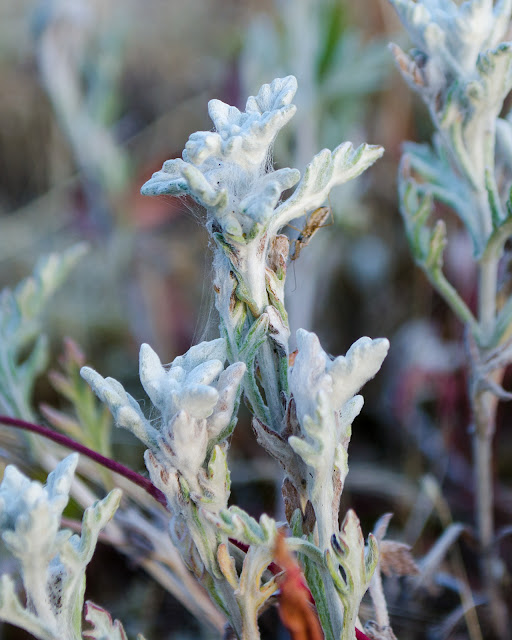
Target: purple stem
{"points": [[114, 466]]}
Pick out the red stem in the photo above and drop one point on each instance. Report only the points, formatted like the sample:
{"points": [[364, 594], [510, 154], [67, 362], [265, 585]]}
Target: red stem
{"points": [[114, 466]]}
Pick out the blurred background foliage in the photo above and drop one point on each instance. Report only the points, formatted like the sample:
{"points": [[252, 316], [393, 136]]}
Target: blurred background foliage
{"points": [[95, 96]]}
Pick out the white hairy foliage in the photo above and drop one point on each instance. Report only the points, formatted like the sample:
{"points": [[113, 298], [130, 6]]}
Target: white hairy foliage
{"points": [[227, 171], [194, 400], [52, 560]]}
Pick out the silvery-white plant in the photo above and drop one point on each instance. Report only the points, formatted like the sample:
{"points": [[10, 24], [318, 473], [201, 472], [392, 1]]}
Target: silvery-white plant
{"points": [[24, 355], [52, 560], [302, 408], [462, 69]]}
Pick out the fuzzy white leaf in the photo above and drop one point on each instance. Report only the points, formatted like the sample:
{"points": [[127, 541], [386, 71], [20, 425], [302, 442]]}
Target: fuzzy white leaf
{"points": [[327, 170], [53, 561], [349, 373], [151, 374], [228, 388], [199, 353], [198, 400], [205, 373], [103, 627]]}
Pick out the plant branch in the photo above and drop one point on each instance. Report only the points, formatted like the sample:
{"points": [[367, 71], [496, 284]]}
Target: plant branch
{"points": [[454, 301], [114, 466], [484, 408]]}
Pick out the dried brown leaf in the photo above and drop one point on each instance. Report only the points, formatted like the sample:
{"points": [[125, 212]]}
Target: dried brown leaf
{"points": [[292, 502], [291, 498], [396, 558]]}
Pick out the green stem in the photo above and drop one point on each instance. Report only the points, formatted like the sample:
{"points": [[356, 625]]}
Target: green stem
{"points": [[491, 199], [497, 240], [349, 625], [454, 301], [484, 406], [487, 299], [503, 324]]}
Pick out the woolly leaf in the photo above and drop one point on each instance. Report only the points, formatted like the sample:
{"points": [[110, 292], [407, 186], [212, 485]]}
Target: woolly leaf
{"points": [[439, 180], [53, 561], [103, 627], [239, 525], [358, 562], [326, 170]]}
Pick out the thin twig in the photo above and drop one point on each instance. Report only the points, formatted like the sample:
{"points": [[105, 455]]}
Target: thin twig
{"points": [[65, 441]]}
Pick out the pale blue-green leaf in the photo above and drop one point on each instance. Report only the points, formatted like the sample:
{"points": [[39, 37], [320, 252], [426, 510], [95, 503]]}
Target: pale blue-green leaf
{"points": [[327, 169], [260, 203], [277, 94]]}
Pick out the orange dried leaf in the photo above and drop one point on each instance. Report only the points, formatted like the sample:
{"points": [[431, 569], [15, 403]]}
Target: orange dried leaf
{"points": [[295, 608]]}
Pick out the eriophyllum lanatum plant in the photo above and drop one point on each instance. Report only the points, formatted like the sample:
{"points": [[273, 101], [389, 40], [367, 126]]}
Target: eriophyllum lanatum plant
{"points": [[302, 407]]}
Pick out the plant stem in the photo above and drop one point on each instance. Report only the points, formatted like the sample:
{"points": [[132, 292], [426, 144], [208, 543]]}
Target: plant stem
{"points": [[484, 405], [378, 599], [35, 578], [223, 595], [454, 301], [484, 409], [488, 285], [114, 466], [250, 630], [349, 624]]}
